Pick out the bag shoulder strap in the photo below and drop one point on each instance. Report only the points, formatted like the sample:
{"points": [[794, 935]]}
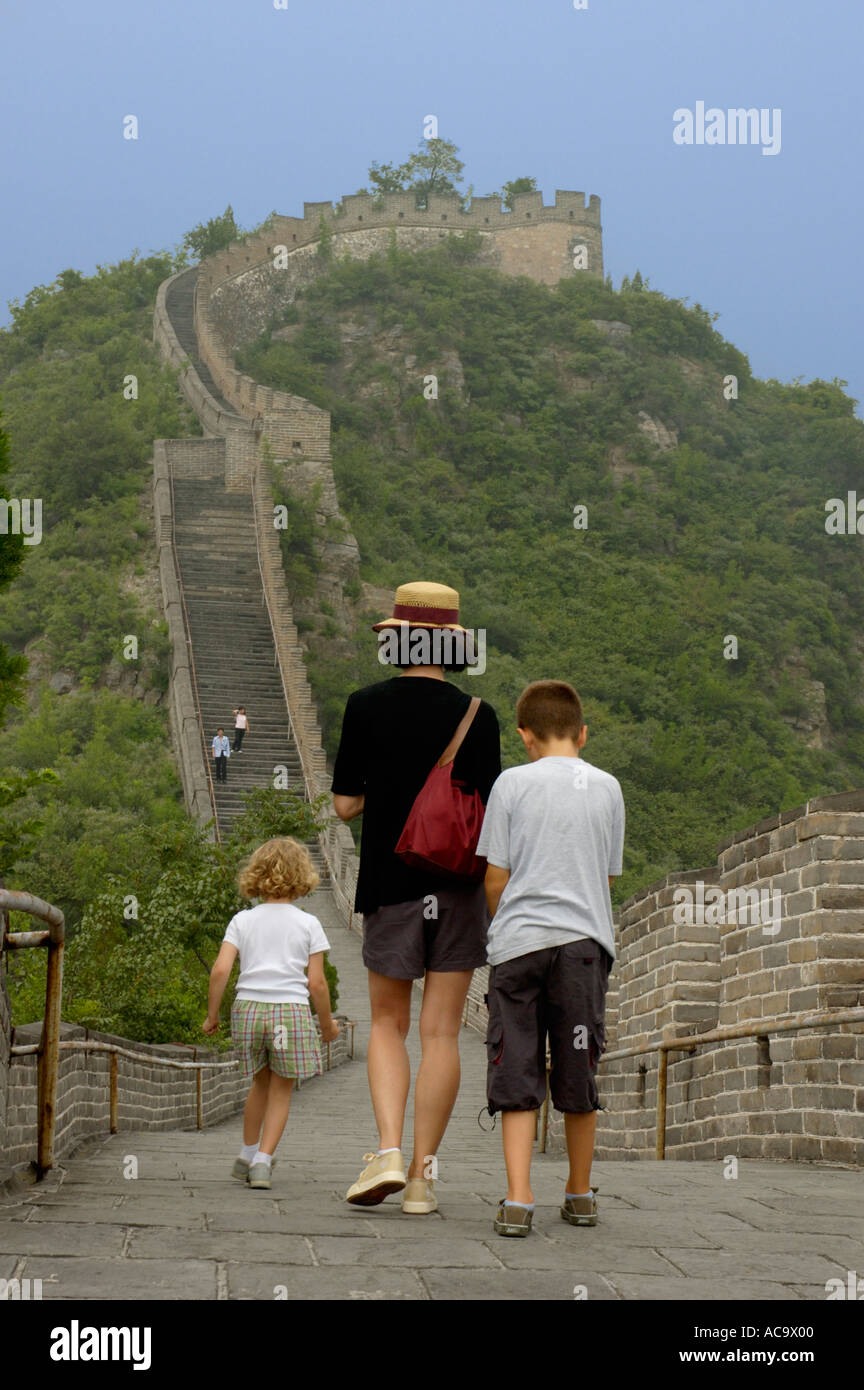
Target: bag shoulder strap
{"points": [[461, 730]]}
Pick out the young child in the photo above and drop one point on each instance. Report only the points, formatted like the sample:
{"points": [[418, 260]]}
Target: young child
{"points": [[553, 837], [271, 1022]]}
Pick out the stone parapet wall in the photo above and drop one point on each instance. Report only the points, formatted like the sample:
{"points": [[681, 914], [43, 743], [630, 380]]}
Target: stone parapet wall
{"points": [[150, 1096], [5, 1034], [336, 841], [531, 240], [241, 454], [193, 457], [795, 1095]]}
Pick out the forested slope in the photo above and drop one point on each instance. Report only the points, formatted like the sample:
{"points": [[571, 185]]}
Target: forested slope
{"points": [[705, 521]]}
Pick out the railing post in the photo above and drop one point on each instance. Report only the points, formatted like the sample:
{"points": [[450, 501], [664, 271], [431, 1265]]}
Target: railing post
{"points": [[662, 1067], [113, 1089], [49, 1057]]}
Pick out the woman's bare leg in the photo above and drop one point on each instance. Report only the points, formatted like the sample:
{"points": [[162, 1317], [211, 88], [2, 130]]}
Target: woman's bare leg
{"points": [[438, 1078], [387, 1062]]}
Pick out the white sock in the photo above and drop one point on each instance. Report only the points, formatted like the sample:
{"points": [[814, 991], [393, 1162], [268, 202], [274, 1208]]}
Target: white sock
{"points": [[578, 1194], [248, 1151], [387, 1151], [261, 1157]]}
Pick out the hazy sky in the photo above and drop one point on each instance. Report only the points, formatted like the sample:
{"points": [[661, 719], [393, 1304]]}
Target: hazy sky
{"points": [[266, 108]]}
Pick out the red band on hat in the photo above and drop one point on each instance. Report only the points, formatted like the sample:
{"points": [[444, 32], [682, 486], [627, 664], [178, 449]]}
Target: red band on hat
{"points": [[407, 612]]}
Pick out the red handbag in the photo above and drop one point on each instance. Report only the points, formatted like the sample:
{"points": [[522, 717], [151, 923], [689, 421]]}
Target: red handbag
{"points": [[444, 824]]}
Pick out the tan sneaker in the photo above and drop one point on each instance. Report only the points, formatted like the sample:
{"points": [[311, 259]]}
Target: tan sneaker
{"points": [[383, 1174], [419, 1197]]}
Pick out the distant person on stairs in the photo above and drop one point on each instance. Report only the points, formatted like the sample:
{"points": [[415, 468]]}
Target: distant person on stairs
{"points": [[241, 726], [418, 923], [221, 754]]}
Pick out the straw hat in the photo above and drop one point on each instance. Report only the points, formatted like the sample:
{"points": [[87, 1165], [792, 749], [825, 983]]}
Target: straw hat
{"points": [[424, 605]]}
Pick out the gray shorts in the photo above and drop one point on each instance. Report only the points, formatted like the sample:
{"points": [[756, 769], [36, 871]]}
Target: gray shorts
{"points": [[404, 940], [559, 991]]}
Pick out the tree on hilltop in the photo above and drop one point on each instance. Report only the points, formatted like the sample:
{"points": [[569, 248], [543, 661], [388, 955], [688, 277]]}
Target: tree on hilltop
{"points": [[209, 237], [434, 168], [511, 188]]}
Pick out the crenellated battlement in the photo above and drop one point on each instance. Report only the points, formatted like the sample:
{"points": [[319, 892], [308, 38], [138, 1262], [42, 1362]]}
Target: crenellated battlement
{"points": [[575, 218]]}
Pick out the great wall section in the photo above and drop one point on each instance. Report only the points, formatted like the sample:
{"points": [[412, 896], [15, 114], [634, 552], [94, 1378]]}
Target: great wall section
{"points": [[773, 1095]]}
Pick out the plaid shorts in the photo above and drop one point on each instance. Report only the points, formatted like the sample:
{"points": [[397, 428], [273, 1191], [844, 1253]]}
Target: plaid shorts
{"points": [[282, 1037]]}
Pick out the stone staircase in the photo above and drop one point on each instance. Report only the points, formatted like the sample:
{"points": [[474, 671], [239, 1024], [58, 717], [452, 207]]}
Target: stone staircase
{"points": [[232, 644], [180, 304]]}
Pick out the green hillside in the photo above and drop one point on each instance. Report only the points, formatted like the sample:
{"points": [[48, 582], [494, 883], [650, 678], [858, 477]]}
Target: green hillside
{"points": [[705, 519], [91, 805]]}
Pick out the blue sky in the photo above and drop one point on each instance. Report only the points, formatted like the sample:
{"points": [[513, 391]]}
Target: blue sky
{"points": [[240, 102]]}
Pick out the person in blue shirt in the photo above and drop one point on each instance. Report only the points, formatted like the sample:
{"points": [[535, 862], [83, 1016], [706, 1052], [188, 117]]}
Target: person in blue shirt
{"points": [[221, 754]]}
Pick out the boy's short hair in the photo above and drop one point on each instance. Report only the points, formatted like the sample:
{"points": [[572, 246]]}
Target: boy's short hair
{"points": [[550, 709], [280, 868]]}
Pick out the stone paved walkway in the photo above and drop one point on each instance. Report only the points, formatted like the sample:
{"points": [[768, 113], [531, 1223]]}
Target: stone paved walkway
{"points": [[184, 1230]]}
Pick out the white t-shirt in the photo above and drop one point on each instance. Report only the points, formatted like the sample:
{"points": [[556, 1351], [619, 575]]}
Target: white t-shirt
{"points": [[240, 721], [558, 825], [275, 941]]}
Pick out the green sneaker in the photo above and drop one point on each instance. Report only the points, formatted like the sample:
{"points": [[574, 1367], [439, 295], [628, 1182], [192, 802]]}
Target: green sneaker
{"points": [[512, 1220], [241, 1169], [259, 1175]]}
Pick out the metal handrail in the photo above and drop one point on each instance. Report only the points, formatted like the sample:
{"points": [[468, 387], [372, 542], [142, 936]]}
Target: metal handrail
{"points": [[48, 1047], [786, 1023], [191, 654], [115, 1051]]}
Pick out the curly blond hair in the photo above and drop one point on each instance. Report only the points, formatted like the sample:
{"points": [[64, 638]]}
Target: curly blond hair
{"points": [[279, 868]]}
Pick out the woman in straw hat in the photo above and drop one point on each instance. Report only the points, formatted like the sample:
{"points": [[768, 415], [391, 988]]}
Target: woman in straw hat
{"points": [[416, 924]]}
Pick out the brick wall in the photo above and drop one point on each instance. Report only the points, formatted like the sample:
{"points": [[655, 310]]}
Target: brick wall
{"points": [[793, 1095], [245, 285], [149, 1096], [195, 458], [336, 841], [5, 1032]]}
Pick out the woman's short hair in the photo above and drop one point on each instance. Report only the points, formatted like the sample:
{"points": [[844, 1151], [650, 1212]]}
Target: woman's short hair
{"points": [[550, 709], [433, 647], [280, 868]]}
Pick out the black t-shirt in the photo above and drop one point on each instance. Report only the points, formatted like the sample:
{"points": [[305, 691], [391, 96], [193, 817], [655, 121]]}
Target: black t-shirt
{"points": [[393, 733]]}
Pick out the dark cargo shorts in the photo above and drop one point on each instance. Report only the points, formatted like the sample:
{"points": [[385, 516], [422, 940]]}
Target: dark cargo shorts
{"points": [[404, 940], [561, 991]]}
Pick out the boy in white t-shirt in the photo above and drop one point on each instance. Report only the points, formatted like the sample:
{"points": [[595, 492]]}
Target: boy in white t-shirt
{"points": [[553, 837], [271, 1022]]}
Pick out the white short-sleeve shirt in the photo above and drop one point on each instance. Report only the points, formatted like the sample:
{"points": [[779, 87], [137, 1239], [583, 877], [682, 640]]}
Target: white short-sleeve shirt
{"points": [[274, 942], [558, 825]]}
